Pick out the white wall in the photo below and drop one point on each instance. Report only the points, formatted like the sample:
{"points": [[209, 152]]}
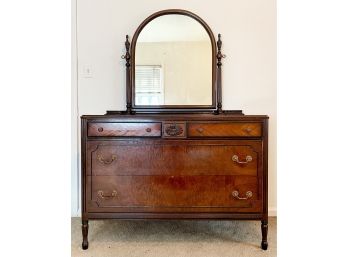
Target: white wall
{"points": [[192, 60], [248, 31], [75, 178]]}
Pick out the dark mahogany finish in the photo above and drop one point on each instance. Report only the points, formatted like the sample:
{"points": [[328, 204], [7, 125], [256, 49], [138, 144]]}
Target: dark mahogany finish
{"points": [[264, 229], [180, 173], [172, 193], [118, 129], [224, 129], [84, 234], [182, 158]]}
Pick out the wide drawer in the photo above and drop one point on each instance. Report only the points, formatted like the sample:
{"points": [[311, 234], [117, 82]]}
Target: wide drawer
{"points": [[120, 129], [174, 158], [224, 129], [191, 193]]}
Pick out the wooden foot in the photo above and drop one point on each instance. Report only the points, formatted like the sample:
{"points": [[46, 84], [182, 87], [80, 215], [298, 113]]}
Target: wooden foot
{"points": [[85, 234], [264, 230]]}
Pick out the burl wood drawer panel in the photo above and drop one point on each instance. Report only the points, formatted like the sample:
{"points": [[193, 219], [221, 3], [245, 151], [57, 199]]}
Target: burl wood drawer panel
{"points": [[112, 193], [187, 158], [224, 129], [119, 129]]}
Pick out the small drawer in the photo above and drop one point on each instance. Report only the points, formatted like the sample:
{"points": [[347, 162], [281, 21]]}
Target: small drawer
{"points": [[120, 129], [224, 129], [174, 129]]}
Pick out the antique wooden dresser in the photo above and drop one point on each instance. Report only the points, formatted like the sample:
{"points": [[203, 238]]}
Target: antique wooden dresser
{"points": [[181, 162]]}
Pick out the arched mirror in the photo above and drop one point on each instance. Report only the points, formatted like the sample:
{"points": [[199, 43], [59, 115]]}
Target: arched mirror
{"points": [[173, 64]]}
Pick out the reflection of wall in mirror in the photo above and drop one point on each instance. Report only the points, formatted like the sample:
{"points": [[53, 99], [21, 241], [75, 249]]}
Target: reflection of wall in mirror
{"points": [[187, 69]]}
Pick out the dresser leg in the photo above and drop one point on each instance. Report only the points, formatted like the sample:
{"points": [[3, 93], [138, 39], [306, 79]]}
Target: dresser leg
{"points": [[264, 229], [85, 234]]}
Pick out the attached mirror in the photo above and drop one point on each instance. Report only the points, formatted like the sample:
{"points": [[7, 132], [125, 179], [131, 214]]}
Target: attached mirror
{"points": [[173, 63]]}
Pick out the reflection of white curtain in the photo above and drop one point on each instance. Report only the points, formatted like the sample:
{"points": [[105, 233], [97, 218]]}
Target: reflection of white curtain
{"points": [[148, 85]]}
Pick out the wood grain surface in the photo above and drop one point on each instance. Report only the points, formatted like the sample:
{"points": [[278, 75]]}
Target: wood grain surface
{"points": [[158, 192], [224, 129], [182, 158], [119, 129]]}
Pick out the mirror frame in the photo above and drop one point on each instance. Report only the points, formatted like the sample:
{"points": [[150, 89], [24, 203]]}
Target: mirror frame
{"points": [[130, 58]]}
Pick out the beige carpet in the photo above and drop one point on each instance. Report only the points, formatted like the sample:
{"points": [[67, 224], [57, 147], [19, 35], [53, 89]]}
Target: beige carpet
{"points": [[111, 238]]}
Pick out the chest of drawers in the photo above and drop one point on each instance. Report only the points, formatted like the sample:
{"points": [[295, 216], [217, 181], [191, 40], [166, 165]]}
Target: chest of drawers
{"points": [[181, 166]]}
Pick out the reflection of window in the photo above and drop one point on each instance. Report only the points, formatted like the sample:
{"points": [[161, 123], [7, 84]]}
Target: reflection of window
{"points": [[148, 85]]}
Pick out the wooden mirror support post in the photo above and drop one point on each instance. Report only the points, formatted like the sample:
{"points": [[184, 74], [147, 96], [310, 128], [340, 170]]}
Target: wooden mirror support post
{"points": [[174, 163], [219, 56], [127, 57]]}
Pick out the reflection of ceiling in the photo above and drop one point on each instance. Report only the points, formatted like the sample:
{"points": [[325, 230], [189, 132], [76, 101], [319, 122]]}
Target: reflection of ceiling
{"points": [[173, 27]]}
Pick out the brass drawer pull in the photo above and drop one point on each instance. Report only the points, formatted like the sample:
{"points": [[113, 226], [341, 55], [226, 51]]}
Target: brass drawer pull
{"points": [[103, 196], [248, 158], [248, 195], [101, 159]]}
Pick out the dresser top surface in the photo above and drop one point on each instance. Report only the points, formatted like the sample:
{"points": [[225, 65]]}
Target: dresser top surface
{"points": [[186, 117]]}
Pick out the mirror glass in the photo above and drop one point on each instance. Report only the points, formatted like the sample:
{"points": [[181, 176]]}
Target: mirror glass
{"points": [[173, 62]]}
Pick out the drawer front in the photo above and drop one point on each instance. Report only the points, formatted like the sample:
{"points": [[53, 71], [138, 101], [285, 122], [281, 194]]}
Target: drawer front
{"points": [[184, 158], [118, 129], [224, 129], [146, 193]]}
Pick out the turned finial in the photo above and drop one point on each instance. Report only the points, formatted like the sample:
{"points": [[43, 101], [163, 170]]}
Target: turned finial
{"points": [[219, 55], [127, 55]]}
